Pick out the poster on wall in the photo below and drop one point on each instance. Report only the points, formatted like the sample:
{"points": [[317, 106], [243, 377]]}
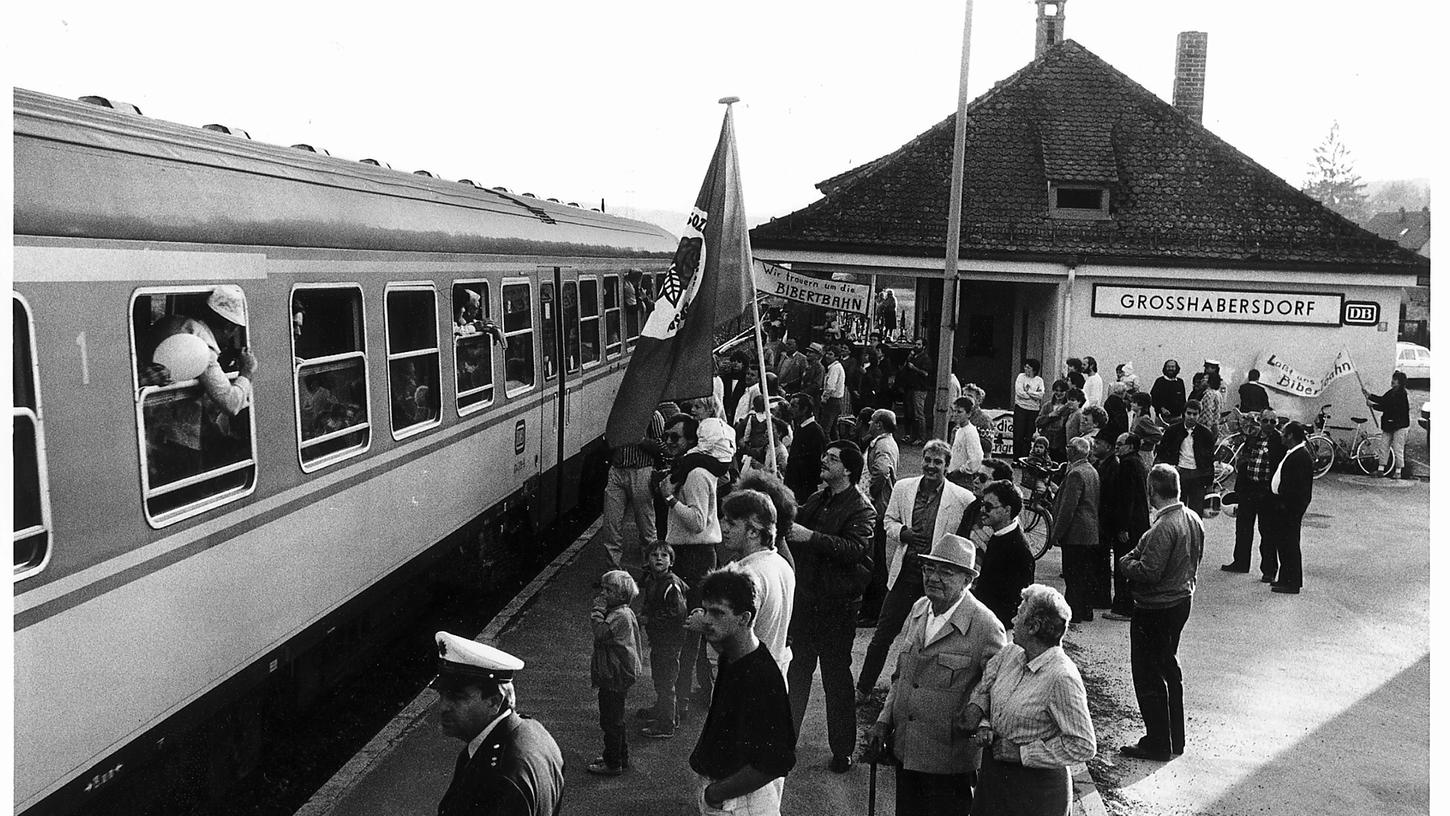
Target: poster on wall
{"points": [[780, 282]]}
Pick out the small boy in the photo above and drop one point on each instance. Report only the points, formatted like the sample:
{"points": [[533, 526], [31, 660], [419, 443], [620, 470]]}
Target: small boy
{"points": [[662, 612], [615, 665]]}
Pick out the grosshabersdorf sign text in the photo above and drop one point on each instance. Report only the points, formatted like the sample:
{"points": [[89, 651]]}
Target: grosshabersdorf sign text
{"points": [[1224, 305]]}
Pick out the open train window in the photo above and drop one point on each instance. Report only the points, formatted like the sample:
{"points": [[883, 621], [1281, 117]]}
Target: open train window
{"points": [[330, 374], [548, 330], [589, 320], [32, 495], [570, 309], [473, 339], [196, 430], [613, 342], [412, 318], [633, 314], [518, 329]]}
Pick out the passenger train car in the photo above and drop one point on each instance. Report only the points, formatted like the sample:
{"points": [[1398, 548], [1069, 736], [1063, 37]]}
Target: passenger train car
{"points": [[436, 365]]}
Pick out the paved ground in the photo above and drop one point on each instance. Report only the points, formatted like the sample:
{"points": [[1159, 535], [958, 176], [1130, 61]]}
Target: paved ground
{"points": [[1315, 703], [1297, 704]]}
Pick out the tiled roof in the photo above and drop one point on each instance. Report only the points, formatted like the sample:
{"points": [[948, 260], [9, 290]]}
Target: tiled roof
{"points": [[1410, 230], [1179, 195]]}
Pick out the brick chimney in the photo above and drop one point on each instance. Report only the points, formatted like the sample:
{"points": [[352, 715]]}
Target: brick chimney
{"points": [[1049, 24], [1188, 72]]}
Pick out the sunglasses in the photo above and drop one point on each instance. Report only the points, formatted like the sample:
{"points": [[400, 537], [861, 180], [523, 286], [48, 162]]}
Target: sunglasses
{"points": [[672, 437]]}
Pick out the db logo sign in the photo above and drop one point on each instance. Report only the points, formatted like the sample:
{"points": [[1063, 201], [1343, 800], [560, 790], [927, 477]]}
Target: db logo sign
{"points": [[1360, 313]]}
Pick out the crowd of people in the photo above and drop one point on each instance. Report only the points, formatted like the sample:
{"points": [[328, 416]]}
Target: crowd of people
{"points": [[983, 712]]}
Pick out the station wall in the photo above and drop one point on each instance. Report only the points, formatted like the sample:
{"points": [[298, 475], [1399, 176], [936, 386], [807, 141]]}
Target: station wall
{"points": [[1310, 349]]}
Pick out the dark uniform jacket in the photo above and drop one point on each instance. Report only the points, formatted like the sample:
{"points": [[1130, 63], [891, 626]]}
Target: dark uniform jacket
{"points": [[1007, 568], [517, 771]]}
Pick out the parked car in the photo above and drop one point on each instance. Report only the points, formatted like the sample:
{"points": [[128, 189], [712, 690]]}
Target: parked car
{"points": [[1412, 359]]}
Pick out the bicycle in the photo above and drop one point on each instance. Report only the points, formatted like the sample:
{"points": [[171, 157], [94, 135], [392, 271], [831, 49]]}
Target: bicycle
{"points": [[1362, 448], [1036, 517]]}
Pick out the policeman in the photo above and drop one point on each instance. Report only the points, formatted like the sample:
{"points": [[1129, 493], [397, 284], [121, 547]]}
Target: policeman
{"points": [[510, 765]]}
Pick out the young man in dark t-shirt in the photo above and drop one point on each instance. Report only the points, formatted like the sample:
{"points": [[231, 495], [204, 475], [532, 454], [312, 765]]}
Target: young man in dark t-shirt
{"points": [[747, 745]]}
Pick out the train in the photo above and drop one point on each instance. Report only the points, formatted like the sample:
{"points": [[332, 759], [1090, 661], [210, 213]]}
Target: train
{"points": [[435, 361]]}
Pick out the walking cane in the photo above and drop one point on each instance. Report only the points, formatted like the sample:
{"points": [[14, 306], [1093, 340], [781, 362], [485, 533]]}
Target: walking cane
{"points": [[871, 796]]}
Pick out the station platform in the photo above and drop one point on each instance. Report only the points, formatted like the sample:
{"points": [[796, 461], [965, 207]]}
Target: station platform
{"points": [[405, 769]]}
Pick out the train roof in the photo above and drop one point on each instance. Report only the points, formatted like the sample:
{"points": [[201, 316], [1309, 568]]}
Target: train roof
{"points": [[86, 170]]}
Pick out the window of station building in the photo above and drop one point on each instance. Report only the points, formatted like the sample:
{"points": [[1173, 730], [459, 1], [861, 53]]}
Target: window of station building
{"points": [[570, 308], [589, 320], [31, 488], [518, 329], [1078, 201], [548, 330], [412, 318], [330, 374], [473, 341], [195, 425], [613, 342]]}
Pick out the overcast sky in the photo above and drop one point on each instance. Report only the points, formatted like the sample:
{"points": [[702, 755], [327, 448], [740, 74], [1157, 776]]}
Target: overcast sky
{"points": [[617, 100]]}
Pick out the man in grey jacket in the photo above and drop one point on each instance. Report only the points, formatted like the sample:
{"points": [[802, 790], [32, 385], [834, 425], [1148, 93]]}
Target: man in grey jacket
{"points": [[1076, 529], [1163, 570]]}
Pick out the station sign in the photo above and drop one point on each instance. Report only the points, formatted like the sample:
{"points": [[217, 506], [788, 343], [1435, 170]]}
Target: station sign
{"points": [[1218, 305]]}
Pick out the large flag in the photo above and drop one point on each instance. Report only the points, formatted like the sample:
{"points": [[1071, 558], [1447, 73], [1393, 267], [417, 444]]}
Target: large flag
{"points": [[708, 284]]}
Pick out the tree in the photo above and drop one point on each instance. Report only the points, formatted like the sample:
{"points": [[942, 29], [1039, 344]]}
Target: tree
{"points": [[1332, 180]]}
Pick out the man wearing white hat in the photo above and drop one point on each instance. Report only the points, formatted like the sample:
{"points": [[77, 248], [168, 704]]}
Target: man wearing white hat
{"points": [[949, 638], [511, 765]]}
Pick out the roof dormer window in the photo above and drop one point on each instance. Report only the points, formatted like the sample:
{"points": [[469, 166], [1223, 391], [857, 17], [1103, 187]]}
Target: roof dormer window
{"points": [[1077, 200]]}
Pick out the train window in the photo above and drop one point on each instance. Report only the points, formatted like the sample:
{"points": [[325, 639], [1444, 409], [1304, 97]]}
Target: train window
{"points": [[330, 374], [31, 497], [570, 309], [473, 339], [632, 314], [193, 407], [612, 340], [548, 330], [518, 329], [589, 320], [412, 316]]}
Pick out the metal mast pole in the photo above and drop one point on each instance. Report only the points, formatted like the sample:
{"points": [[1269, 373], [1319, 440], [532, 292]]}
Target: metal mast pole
{"points": [[949, 306]]}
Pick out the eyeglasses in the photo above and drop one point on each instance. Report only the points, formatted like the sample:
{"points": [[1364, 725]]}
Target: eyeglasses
{"points": [[987, 508], [672, 437], [939, 570]]}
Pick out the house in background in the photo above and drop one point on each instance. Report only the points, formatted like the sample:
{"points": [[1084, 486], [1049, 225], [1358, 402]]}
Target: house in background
{"points": [[1410, 230], [1098, 219]]}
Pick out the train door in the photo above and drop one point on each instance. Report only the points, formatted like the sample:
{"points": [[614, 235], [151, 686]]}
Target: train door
{"points": [[552, 414], [575, 430]]}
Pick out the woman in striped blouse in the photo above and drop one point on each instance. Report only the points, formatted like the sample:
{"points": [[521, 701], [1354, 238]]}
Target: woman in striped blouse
{"points": [[1034, 698]]}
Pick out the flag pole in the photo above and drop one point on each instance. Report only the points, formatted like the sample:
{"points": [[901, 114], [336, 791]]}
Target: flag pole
{"points": [[769, 463], [946, 343], [1363, 392]]}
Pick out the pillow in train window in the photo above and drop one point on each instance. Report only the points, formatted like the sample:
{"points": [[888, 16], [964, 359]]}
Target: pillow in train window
{"points": [[184, 355]]}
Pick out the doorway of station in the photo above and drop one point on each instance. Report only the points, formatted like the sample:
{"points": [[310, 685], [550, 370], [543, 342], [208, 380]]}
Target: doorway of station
{"points": [[1000, 324]]}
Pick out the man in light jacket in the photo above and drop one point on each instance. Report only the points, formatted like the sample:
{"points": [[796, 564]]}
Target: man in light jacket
{"points": [[950, 636], [922, 509]]}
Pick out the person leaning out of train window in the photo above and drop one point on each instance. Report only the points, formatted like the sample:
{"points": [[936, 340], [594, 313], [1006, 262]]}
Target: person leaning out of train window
{"points": [[176, 361], [471, 320]]}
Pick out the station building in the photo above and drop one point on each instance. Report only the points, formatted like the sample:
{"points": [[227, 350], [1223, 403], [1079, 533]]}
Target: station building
{"points": [[1098, 219]]}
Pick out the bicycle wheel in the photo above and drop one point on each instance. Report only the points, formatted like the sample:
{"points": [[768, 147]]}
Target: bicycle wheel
{"points": [[1321, 447], [1367, 456], [1225, 463], [1036, 523]]}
